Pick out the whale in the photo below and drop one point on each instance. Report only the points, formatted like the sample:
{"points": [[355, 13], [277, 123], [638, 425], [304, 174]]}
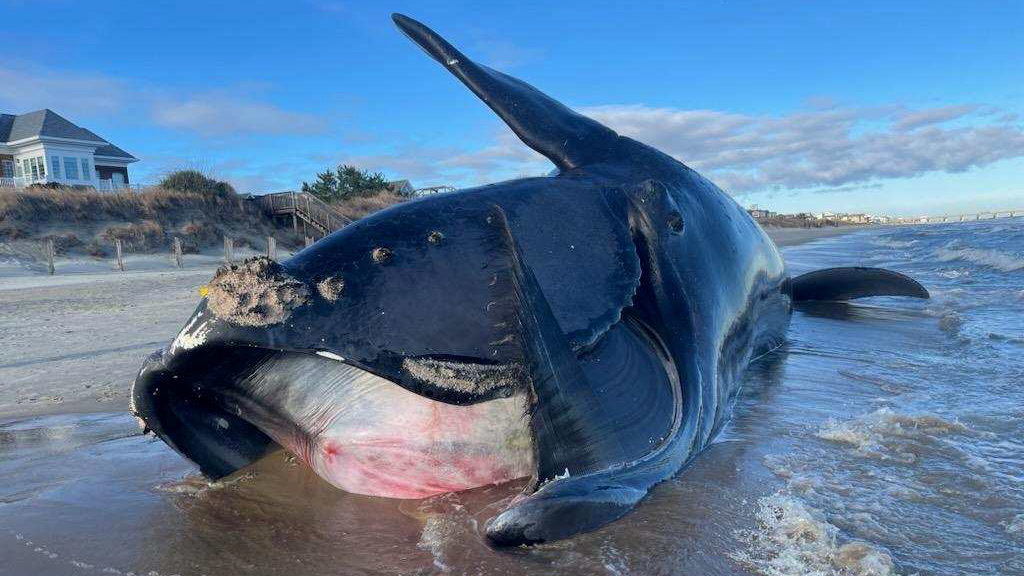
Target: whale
{"points": [[586, 331]]}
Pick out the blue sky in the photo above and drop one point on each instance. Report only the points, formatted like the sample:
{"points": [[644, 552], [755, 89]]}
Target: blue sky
{"points": [[891, 107]]}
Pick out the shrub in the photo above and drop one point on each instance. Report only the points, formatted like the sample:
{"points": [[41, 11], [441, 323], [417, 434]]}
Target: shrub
{"points": [[196, 181]]}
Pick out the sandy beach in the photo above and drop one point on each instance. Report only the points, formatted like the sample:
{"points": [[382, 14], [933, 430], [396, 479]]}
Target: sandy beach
{"points": [[73, 342]]}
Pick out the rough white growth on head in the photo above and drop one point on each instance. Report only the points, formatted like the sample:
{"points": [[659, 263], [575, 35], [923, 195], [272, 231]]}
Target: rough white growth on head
{"points": [[463, 377], [331, 289], [188, 339], [256, 292]]}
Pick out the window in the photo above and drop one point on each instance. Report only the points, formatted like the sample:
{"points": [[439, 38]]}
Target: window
{"points": [[17, 169], [86, 172], [55, 165], [8, 169], [33, 166], [70, 168]]}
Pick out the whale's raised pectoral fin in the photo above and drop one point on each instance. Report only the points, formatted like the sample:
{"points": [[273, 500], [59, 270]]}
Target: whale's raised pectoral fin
{"points": [[566, 138], [584, 433], [572, 433], [832, 284]]}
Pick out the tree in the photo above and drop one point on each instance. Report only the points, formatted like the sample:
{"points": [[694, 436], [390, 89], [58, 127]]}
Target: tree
{"points": [[344, 183]]}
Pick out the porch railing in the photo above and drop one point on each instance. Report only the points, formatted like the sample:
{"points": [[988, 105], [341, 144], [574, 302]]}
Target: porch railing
{"points": [[100, 185]]}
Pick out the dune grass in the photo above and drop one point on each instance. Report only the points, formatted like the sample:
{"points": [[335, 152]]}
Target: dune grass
{"points": [[89, 221], [360, 206]]}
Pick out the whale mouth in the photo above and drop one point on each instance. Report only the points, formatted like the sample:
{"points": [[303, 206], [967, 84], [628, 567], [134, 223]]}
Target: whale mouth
{"points": [[358, 431]]}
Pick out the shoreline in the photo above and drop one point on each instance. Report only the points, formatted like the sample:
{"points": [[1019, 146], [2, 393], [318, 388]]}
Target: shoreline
{"points": [[784, 237]]}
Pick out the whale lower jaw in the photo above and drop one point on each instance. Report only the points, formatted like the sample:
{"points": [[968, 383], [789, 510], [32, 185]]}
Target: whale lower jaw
{"points": [[366, 435], [360, 432]]}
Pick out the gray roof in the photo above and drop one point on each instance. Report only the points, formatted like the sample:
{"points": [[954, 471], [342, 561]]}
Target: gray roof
{"points": [[6, 120], [49, 123], [399, 184]]}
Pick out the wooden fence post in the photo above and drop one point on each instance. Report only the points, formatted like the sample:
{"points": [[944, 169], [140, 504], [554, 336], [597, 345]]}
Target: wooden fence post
{"points": [[177, 251], [228, 249], [49, 256], [120, 259], [271, 248], [309, 241]]}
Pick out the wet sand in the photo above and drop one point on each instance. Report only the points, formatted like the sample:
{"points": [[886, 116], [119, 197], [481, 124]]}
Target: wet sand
{"points": [[794, 236]]}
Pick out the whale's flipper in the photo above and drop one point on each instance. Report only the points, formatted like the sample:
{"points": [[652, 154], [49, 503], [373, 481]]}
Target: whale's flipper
{"points": [[855, 282], [586, 461], [566, 138], [572, 433]]}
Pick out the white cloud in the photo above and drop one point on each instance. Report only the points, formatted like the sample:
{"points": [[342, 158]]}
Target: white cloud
{"points": [[75, 94], [832, 148], [81, 96], [224, 115], [919, 118]]}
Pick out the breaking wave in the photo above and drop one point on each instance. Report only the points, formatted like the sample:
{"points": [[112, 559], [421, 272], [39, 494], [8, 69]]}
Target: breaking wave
{"points": [[878, 433], [894, 243], [794, 538], [1003, 261]]}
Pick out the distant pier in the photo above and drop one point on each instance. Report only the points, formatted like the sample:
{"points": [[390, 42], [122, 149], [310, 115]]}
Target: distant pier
{"points": [[960, 217]]}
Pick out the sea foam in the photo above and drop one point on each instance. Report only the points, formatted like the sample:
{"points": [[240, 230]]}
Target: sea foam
{"points": [[794, 538], [871, 434]]}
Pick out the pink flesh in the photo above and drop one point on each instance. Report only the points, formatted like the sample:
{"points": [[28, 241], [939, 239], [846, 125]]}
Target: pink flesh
{"points": [[367, 435]]}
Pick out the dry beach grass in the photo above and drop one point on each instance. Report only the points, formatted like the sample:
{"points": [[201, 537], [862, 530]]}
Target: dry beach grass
{"points": [[88, 222]]}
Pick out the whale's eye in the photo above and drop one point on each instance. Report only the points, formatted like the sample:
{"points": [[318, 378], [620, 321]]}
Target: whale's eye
{"points": [[381, 254], [435, 237], [675, 222]]}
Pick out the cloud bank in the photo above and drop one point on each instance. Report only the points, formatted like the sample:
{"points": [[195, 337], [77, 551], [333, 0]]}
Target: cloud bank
{"points": [[835, 148]]}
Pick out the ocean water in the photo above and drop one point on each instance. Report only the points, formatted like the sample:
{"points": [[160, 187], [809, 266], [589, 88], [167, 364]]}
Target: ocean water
{"points": [[887, 437]]}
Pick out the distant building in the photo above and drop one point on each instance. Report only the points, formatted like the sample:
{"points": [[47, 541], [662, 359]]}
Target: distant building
{"points": [[42, 146], [401, 187], [854, 218], [759, 214]]}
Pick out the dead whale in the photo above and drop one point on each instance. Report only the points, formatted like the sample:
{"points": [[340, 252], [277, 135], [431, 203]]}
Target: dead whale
{"points": [[585, 330]]}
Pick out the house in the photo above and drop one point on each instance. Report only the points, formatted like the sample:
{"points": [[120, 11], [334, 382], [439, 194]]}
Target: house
{"points": [[854, 218], [759, 214], [43, 146], [401, 187]]}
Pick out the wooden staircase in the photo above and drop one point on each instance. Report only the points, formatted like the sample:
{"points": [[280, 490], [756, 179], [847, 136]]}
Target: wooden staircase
{"points": [[314, 216]]}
